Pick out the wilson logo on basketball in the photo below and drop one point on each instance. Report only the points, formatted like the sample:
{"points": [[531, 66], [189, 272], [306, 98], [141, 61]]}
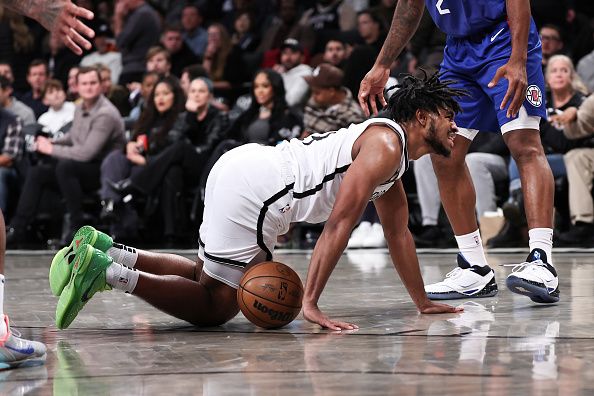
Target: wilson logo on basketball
{"points": [[274, 315]]}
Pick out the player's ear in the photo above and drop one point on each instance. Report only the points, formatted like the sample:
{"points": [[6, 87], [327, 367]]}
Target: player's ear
{"points": [[422, 117]]}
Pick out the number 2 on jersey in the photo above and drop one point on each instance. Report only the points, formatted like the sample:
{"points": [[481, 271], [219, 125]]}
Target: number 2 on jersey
{"points": [[442, 11]]}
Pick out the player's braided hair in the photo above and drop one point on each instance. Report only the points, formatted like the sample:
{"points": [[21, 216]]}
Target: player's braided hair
{"points": [[427, 93]]}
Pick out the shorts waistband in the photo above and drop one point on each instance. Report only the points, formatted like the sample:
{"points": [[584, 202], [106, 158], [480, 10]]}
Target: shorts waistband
{"points": [[286, 171]]}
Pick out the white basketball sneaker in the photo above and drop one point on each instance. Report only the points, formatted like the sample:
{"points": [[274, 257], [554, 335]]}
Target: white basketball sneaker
{"points": [[375, 238], [535, 278], [358, 236], [464, 281], [19, 352]]}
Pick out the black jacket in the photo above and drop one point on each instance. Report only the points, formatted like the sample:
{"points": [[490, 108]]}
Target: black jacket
{"points": [[283, 126], [203, 135]]}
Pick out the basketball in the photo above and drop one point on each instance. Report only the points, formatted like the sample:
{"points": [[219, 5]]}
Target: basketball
{"points": [[269, 294]]}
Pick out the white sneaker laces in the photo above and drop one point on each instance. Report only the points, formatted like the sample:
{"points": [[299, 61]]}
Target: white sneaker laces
{"points": [[454, 273], [525, 264], [15, 332]]}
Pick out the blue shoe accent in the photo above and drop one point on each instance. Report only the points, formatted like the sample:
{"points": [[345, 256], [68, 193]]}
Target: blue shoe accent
{"points": [[537, 292]]}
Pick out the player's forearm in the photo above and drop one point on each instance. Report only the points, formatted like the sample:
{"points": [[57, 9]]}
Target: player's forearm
{"points": [[518, 14], [404, 24], [45, 12], [404, 256], [326, 254], [22, 7]]}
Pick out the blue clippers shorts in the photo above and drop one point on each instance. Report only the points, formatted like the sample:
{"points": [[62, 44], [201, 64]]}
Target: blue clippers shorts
{"points": [[472, 63]]}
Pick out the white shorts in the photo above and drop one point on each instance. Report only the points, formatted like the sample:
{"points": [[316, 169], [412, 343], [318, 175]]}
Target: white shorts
{"points": [[247, 192], [524, 121]]}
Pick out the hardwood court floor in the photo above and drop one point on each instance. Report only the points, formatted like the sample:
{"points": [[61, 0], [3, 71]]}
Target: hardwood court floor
{"points": [[505, 345]]}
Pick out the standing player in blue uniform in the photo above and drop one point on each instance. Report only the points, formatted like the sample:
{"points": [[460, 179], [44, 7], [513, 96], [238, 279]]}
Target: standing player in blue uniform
{"points": [[493, 50]]}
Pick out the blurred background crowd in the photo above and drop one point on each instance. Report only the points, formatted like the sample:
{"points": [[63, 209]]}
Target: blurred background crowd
{"points": [[123, 137]]}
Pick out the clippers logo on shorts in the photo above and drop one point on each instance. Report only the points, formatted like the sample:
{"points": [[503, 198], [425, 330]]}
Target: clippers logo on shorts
{"points": [[476, 240], [534, 95], [285, 208]]}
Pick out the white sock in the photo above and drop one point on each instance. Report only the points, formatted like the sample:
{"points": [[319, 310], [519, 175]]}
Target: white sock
{"points": [[121, 277], [123, 254], [542, 238], [3, 329], [471, 247]]}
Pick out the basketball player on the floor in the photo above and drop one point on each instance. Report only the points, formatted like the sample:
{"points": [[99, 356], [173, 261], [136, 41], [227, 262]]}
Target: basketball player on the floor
{"points": [[254, 192], [60, 18], [493, 50]]}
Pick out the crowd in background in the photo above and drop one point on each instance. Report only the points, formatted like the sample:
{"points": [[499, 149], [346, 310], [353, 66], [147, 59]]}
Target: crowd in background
{"points": [[123, 137]]}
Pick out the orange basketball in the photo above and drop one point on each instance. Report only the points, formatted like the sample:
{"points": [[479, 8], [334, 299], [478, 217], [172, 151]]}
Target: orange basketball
{"points": [[270, 294]]}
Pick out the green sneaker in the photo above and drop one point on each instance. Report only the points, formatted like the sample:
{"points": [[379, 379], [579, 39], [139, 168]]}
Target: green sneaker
{"points": [[87, 278], [61, 267]]}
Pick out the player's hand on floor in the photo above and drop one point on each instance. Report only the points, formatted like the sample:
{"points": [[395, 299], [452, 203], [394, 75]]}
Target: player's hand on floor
{"points": [[432, 307], [515, 73], [314, 315]]}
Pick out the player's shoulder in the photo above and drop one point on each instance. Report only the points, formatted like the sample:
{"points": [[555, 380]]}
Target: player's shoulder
{"points": [[386, 126], [383, 134]]}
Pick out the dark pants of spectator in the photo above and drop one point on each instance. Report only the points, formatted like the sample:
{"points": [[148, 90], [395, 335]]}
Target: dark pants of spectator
{"points": [[172, 202], [175, 169], [72, 178], [8, 181], [180, 154], [115, 167]]}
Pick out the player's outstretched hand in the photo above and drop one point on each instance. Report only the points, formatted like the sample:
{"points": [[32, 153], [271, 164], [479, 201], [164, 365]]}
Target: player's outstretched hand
{"points": [[431, 307], [372, 88], [60, 17], [515, 73], [314, 315]]}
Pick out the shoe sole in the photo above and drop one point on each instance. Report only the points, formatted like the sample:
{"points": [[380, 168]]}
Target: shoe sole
{"points": [[70, 302], [536, 293], [29, 362], [459, 296]]}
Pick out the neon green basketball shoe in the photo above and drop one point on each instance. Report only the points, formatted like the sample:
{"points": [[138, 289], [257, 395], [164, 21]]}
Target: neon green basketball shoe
{"points": [[87, 278], [61, 267]]}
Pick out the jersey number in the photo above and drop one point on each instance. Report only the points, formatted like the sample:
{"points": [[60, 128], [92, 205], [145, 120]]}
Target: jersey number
{"points": [[442, 11]]}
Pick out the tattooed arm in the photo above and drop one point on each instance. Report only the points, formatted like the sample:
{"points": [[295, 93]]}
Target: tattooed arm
{"points": [[404, 24], [59, 17]]}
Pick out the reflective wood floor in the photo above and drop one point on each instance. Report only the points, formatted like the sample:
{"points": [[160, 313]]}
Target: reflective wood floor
{"points": [[505, 345]]}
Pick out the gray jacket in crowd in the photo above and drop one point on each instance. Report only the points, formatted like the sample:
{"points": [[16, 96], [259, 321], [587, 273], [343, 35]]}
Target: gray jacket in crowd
{"points": [[94, 133]]}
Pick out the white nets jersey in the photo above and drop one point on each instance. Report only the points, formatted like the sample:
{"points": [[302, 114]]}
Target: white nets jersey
{"points": [[319, 163]]}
